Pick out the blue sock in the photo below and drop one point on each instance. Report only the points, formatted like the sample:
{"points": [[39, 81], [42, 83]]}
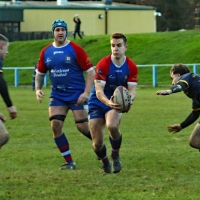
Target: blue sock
{"points": [[102, 154], [63, 146], [116, 144]]}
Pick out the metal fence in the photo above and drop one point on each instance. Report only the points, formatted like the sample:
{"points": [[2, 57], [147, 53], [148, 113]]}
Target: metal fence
{"points": [[154, 68]]}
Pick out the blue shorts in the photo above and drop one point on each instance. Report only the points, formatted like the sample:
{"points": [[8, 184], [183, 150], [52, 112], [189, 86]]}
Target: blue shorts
{"points": [[96, 111], [71, 105]]}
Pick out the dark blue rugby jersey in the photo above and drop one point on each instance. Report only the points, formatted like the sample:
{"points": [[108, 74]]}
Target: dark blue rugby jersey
{"points": [[193, 90]]}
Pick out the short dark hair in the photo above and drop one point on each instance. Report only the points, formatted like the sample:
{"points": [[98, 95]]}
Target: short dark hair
{"points": [[3, 38], [179, 69], [119, 36]]}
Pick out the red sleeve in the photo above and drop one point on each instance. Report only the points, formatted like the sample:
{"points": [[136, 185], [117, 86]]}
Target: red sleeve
{"points": [[41, 67], [102, 68], [82, 58], [133, 71]]}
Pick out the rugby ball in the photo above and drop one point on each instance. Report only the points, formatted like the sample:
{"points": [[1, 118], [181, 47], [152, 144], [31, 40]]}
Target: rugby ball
{"points": [[121, 96]]}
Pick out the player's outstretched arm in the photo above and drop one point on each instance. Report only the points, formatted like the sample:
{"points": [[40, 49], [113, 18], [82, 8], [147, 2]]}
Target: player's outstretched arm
{"points": [[174, 128], [174, 89], [164, 92]]}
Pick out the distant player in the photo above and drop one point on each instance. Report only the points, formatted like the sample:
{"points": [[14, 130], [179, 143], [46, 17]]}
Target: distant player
{"points": [[111, 71], [4, 136], [66, 63], [189, 83]]}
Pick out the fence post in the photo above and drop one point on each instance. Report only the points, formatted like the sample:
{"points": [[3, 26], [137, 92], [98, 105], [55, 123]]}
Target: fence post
{"points": [[46, 80], [16, 77], [154, 71], [195, 69]]}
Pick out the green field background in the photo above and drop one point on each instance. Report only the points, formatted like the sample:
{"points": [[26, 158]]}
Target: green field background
{"points": [[157, 165]]}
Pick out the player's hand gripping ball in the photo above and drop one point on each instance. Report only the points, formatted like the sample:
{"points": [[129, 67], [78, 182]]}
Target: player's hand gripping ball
{"points": [[122, 97]]}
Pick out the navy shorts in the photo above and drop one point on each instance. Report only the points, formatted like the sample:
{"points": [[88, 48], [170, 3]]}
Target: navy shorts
{"points": [[71, 105], [96, 111]]}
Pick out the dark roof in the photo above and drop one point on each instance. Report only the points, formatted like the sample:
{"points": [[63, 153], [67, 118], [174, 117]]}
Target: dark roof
{"points": [[84, 5]]}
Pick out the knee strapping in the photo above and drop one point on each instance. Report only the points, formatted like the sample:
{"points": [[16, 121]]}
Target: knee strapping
{"points": [[81, 120], [58, 117]]}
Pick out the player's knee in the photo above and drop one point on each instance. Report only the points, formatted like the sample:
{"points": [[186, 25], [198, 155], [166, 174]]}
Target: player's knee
{"points": [[57, 122], [194, 144], [4, 139], [83, 128], [81, 121], [112, 128], [57, 117], [56, 125], [97, 146], [82, 125]]}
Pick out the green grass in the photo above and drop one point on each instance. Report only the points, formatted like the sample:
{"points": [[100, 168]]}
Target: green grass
{"points": [[156, 164], [151, 48]]}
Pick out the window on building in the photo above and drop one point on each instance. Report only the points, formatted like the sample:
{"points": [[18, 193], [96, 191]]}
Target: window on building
{"points": [[9, 27]]}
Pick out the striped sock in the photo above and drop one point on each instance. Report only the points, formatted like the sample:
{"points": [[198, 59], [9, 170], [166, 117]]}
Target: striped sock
{"points": [[105, 160], [116, 144], [102, 154], [63, 146]]}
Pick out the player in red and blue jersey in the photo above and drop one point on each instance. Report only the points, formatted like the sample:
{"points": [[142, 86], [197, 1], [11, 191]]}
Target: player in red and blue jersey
{"points": [[111, 71], [66, 63], [189, 83]]}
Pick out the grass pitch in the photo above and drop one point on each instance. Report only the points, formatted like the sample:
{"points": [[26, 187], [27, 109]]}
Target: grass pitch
{"points": [[157, 165]]}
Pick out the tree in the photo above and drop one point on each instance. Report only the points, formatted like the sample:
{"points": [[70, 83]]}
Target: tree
{"points": [[176, 14]]}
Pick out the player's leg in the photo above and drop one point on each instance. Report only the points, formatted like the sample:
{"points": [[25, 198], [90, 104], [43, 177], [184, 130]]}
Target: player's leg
{"points": [[112, 122], [80, 114], [194, 140], [97, 126], [57, 116], [4, 136]]}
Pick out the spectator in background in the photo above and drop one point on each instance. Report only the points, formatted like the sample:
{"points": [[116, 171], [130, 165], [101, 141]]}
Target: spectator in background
{"points": [[77, 22], [4, 137]]}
